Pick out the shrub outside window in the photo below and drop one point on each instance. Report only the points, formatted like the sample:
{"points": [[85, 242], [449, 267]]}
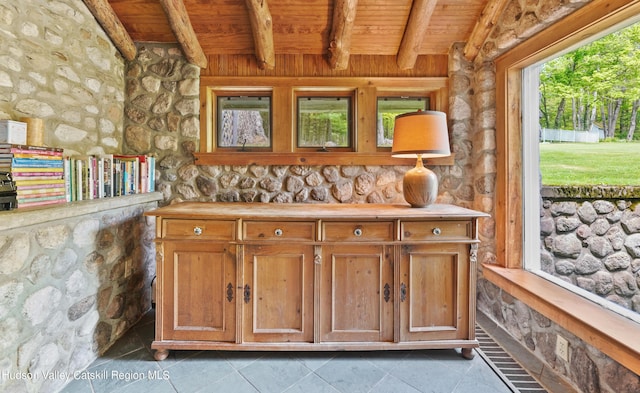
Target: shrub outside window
{"points": [[324, 122], [388, 109]]}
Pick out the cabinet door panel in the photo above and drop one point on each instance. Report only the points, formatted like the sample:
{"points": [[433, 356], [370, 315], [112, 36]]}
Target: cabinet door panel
{"points": [[434, 292], [279, 282], [355, 306], [199, 280]]}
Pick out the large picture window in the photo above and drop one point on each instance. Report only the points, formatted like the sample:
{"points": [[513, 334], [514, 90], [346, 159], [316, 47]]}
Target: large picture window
{"points": [[579, 110]]}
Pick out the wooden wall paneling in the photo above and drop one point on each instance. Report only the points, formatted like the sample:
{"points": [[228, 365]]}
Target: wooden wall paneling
{"points": [[288, 65]]}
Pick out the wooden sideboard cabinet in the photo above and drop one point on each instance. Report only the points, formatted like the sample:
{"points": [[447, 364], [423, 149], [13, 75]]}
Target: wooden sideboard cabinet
{"points": [[256, 276]]}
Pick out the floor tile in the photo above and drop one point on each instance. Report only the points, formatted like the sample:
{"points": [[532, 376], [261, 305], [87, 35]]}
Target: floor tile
{"points": [[391, 384], [274, 373], [198, 372], [233, 382], [351, 372], [311, 384]]}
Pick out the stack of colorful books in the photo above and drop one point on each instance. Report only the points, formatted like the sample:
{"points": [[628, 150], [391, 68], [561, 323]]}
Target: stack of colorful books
{"points": [[37, 172], [109, 175]]}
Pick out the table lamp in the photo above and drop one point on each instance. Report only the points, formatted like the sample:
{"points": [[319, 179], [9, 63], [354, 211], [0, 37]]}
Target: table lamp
{"points": [[421, 134]]}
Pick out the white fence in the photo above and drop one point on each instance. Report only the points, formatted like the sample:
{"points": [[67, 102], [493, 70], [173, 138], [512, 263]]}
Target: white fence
{"points": [[594, 135]]}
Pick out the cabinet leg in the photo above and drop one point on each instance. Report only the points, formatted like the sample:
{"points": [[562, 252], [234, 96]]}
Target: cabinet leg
{"points": [[467, 353], [161, 354]]}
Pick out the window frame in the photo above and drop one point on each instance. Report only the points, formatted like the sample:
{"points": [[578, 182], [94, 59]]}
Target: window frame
{"points": [[609, 332], [284, 123], [350, 94], [265, 92]]}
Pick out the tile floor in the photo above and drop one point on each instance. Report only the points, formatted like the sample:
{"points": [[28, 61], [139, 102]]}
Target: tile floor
{"points": [[129, 366]]}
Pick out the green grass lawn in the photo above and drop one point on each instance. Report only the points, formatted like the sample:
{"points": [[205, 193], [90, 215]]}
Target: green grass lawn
{"points": [[609, 163]]}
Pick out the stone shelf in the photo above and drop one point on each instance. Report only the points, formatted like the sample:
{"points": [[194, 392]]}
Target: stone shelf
{"points": [[19, 218]]}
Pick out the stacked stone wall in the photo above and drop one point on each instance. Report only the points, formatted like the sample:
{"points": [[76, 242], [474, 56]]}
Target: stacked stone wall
{"points": [[593, 244], [57, 64], [68, 290], [588, 369]]}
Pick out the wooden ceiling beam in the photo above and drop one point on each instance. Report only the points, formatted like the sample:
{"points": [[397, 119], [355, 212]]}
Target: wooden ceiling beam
{"points": [[344, 15], [417, 24], [107, 18], [483, 27], [262, 27], [183, 30]]}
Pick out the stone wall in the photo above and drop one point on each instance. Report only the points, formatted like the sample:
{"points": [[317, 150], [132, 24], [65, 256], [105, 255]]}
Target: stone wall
{"points": [[593, 243], [56, 63], [69, 288], [588, 369], [162, 118]]}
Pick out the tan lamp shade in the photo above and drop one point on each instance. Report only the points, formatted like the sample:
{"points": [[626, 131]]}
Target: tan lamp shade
{"points": [[420, 134]]}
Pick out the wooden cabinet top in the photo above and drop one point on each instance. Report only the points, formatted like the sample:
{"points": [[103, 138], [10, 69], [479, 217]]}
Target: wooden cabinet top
{"points": [[298, 211]]}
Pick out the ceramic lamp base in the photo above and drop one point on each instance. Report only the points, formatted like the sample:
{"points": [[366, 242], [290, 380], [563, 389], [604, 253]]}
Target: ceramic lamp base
{"points": [[420, 186]]}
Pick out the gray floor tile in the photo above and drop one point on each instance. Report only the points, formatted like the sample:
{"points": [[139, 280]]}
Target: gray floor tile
{"points": [[274, 373], [350, 372], [198, 372], [391, 384], [313, 360], [233, 382], [311, 384]]}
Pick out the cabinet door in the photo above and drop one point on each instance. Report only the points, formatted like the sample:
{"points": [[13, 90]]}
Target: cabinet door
{"points": [[278, 293], [356, 294], [434, 292], [198, 291]]}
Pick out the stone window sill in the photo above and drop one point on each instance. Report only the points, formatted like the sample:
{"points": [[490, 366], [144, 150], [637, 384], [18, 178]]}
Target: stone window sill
{"points": [[612, 334], [20, 218]]}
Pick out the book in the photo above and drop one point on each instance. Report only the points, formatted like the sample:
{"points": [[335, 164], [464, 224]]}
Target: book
{"points": [[34, 163], [31, 203], [29, 149]]}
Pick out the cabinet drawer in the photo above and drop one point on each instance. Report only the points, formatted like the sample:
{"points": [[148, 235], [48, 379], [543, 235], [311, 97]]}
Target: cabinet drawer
{"points": [[279, 230], [199, 229], [435, 230], [357, 231]]}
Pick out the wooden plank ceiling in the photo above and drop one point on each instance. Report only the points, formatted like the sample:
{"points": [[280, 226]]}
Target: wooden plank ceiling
{"points": [[333, 28]]}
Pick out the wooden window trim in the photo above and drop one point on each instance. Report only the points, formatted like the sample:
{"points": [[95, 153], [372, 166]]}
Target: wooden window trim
{"points": [[609, 332], [284, 129]]}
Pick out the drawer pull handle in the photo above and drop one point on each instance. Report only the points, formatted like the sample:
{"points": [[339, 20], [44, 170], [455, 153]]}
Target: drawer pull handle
{"points": [[197, 231], [437, 231], [357, 231], [278, 232]]}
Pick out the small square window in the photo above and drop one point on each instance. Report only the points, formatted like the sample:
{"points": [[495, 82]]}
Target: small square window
{"points": [[324, 122], [244, 121], [388, 109]]}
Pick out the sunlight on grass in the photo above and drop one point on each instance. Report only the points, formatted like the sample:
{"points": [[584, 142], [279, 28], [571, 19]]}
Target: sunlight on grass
{"points": [[606, 163]]}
